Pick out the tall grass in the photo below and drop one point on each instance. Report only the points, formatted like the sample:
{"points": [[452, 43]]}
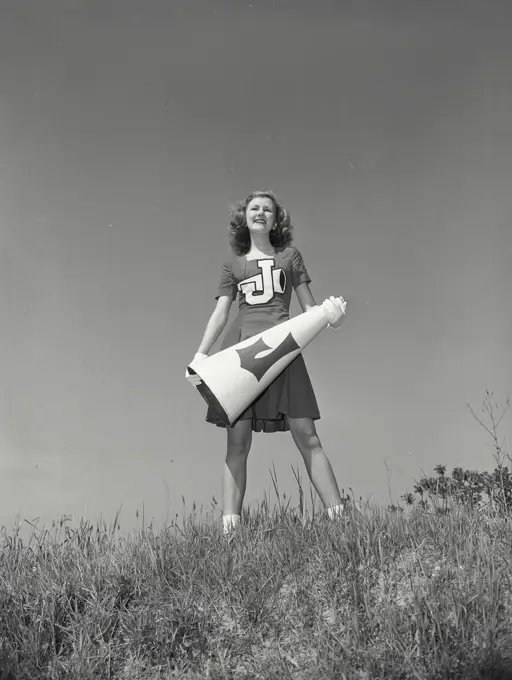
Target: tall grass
{"points": [[377, 594]]}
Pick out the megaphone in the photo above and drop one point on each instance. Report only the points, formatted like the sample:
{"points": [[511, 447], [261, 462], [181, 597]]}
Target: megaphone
{"points": [[234, 377]]}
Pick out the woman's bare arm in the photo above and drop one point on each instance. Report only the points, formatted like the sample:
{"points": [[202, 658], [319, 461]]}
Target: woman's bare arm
{"points": [[216, 323], [305, 296]]}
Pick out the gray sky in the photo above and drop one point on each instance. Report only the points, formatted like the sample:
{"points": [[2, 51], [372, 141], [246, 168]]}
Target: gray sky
{"points": [[126, 131]]}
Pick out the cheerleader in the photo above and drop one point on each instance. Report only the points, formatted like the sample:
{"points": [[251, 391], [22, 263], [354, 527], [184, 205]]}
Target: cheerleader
{"points": [[263, 270]]}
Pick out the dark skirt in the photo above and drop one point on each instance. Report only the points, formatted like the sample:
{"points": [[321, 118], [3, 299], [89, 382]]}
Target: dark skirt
{"points": [[290, 395]]}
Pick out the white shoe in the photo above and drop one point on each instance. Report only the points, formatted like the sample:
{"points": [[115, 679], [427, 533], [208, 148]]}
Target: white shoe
{"points": [[230, 523]]}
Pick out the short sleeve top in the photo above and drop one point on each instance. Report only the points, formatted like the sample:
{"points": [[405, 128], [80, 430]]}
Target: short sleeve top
{"points": [[264, 285]]}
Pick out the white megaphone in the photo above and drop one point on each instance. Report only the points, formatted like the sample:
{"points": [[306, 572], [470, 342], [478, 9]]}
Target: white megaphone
{"points": [[234, 377]]}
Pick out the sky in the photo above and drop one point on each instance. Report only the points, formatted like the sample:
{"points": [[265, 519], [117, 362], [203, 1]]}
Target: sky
{"points": [[128, 129]]}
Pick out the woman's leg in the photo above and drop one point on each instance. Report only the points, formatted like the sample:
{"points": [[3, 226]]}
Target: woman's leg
{"points": [[317, 464], [239, 439]]}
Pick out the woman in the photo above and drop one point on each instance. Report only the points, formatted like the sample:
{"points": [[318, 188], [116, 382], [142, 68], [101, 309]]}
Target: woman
{"points": [[264, 269]]}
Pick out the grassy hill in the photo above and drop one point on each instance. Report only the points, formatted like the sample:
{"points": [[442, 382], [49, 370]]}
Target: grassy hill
{"points": [[378, 594]]}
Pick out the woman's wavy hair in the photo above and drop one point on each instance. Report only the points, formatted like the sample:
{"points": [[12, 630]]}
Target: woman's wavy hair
{"points": [[239, 236]]}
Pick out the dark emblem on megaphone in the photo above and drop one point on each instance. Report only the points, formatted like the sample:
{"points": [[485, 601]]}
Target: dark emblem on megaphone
{"points": [[258, 367]]}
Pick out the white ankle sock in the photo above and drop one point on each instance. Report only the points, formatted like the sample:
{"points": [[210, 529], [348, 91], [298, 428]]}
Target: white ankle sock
{"points": [[230, 522], [335, 511]]}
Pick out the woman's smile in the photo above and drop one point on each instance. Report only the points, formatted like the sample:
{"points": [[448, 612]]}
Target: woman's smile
{"points": [[261, 210]]}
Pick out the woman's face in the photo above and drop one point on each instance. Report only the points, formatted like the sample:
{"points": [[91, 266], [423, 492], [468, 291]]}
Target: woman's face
{"points": [[260, 215]]}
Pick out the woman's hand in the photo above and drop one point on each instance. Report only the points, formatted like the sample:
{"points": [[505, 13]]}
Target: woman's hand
{"points": [[334, 309], [193, 379]]}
